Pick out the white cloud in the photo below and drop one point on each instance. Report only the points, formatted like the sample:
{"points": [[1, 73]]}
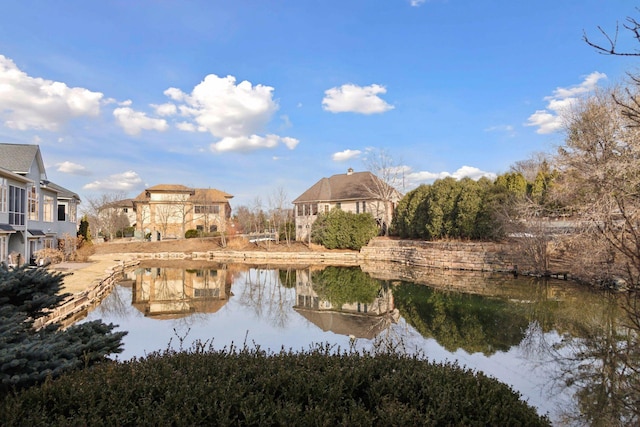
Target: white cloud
{"points": [[72, 168], [133, 122], [35, 103], [186, 126], [125, 182], [167, 109], [350, 98], [236, 114], [549, 120], [289, 142], [416, 3], [507, 129], [345, 155], [251, 143], [226, 109], [413, 179]]}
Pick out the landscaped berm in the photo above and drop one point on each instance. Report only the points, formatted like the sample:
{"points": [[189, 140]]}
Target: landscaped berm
{"points": [[252, 387]]}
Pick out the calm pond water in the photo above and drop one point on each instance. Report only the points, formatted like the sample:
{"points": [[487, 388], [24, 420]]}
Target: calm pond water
{"points": [[538, 336]]}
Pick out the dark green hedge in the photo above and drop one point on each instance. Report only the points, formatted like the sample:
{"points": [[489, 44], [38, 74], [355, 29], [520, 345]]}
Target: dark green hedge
{"points": [[254, 387], [338, 229]]}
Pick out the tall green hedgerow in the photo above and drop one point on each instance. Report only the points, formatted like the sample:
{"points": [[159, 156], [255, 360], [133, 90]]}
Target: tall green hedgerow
{"points": [[320, 386]]}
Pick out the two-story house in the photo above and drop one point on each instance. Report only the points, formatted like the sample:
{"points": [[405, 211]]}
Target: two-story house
{"points": [[34, 212], [356, 192], [169, 210]]}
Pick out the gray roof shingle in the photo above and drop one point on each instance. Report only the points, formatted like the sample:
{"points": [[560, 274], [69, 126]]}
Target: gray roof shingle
{"points": [[345, 186], [18, 158]]}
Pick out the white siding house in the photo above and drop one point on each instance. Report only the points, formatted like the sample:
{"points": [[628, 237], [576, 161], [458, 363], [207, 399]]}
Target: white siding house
{"points": [[34, 213]]}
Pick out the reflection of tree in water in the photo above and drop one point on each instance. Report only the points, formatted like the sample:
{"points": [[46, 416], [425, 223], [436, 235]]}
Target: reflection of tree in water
{"points": [[349, 301], [472, 322], [600, 361], [115, 305], [345, 285], [265, 295]]}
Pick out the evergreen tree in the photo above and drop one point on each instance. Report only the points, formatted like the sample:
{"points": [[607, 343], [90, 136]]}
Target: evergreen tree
{"points": [[29, 356], [84, 231]]}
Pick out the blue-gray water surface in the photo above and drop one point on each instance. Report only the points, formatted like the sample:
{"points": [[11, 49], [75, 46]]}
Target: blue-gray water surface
{"points": [[524, 332]]}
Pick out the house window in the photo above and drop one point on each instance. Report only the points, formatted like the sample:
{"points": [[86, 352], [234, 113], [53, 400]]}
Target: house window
{"points": [[213, 229], [357, 207], [199, 228], [207, 209], [62, 214], [299, 210], [16, 205], [206, 293], [3, 195], [72, 210], [47, 208], [338, 205], [33, 204], [326, 208], [48, 243], [364, 207], [314, 208]]}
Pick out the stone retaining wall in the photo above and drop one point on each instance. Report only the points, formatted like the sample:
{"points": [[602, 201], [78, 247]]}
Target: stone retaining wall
{"points": [[77, 305], [473, 256], [259, 257], [469, 256]]}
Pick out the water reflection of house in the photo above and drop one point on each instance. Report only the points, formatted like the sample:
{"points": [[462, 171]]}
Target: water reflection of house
{"points": [[174, 292], [359, 319]]}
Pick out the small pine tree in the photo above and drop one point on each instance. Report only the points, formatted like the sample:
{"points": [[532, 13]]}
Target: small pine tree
{"points": [[84, 231], [29, 356]]}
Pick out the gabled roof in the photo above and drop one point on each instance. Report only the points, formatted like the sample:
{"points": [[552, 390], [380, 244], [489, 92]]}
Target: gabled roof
{"points": [[196, 194], [171, 188], [8, 174], [63, 193], [18, 158], [211, 195], [340, 187]]}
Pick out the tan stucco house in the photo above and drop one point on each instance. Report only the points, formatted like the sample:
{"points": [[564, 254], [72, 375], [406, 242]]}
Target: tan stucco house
{"points": [[167, 211], [355, 192]]}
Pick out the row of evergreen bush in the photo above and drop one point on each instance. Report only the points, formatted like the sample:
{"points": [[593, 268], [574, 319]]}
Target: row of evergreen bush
{"points": [[320, 386]]}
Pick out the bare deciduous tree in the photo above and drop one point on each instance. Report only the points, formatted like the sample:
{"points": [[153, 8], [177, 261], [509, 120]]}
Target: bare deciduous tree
{"points": [[384, 189], [106, 215], [600, 161], [280, 213]]}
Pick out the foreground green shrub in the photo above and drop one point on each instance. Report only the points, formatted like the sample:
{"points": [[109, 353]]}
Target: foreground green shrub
{"points": [[254, 387]]}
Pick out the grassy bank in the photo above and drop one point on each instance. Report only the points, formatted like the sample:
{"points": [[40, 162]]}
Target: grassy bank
{"points": [[233, 386]]}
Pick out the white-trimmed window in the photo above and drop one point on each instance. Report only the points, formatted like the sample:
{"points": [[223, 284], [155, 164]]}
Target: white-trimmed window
{"points": [[33, 204], [47, 208], [3, 195], [16, 205]]}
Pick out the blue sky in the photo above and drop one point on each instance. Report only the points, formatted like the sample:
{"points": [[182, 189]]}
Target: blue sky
{"points": [[252, 97]]}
